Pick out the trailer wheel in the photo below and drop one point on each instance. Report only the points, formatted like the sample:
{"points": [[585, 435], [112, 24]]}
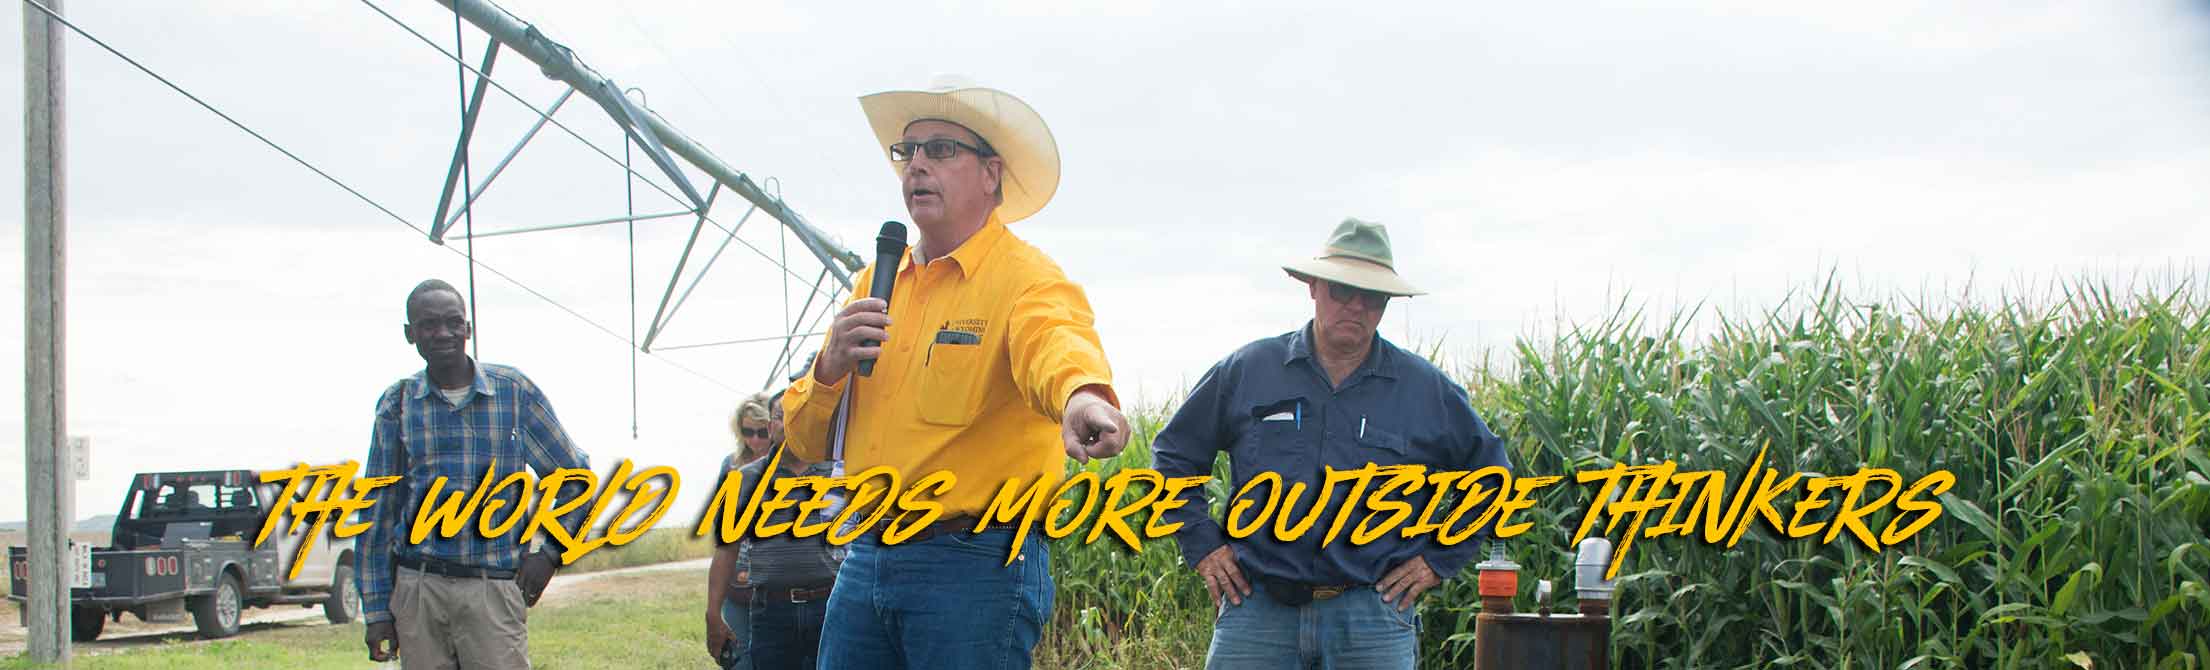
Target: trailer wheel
{"points": [[217, 613], [344, 604], [85, 623]]}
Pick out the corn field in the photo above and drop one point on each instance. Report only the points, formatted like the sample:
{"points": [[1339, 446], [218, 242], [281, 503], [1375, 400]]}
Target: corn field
{"points": [[2077, 534]]}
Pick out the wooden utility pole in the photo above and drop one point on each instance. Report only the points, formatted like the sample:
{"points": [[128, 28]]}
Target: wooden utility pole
{"points": [[45, 438]]}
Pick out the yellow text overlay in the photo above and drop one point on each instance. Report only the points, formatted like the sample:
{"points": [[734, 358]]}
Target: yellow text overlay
{"points": [[1358, 505]]}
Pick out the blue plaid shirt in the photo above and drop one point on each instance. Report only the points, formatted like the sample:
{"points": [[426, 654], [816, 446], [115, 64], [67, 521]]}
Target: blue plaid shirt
{"points": [[421, 436]]}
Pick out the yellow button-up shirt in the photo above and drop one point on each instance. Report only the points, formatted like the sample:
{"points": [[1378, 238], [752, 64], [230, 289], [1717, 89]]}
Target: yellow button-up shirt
{"points": [[986, 345]]}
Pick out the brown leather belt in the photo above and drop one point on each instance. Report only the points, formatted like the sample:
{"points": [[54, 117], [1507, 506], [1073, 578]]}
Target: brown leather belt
{"points": [[777, 595], [962, 524], [1297, 594], [449, 569]]}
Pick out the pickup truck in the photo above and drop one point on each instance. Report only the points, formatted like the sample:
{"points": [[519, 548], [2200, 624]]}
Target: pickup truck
{"points": [[183, 542]]}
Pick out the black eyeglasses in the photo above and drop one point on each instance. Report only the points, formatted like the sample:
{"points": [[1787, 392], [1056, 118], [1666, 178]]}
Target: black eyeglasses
{"points": [[1345, 294], [748, 432], [936, 149]]}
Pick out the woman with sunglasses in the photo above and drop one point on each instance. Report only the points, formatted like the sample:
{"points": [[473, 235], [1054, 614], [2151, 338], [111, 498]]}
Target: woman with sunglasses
{"points": [[758, 426]]}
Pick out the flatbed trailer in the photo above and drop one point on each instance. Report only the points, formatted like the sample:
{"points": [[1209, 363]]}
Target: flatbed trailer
{"points": [[183, 544]]}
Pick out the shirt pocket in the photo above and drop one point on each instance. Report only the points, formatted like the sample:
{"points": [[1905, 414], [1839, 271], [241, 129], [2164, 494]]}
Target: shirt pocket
{"points": [[951, 384], [1275, 440], [1384, 448]]}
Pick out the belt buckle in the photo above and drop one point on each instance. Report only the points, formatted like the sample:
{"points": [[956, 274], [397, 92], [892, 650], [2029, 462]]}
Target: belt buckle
{"points": [[794, 597], [1326, 592]]}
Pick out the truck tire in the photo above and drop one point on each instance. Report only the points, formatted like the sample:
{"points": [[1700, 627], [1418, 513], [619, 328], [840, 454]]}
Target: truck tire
{"points": [[217, 613], [344, 604], [86, 623]]}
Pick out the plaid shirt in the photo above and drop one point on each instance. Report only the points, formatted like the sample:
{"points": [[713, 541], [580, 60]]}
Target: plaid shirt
{"points": [[421, 436]]}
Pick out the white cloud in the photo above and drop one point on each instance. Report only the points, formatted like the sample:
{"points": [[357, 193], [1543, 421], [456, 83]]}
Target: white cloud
{"points": [[1535, 163]]}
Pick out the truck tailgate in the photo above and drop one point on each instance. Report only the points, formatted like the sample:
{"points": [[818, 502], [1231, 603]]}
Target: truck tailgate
{"points": [[118, 576]]}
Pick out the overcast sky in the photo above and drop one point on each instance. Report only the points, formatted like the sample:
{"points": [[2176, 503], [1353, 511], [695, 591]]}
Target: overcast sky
{"points": [[1533, 161]]}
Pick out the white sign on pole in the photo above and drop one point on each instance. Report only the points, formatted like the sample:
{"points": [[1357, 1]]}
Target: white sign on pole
{"points": [[80, 565], [80, 457]]}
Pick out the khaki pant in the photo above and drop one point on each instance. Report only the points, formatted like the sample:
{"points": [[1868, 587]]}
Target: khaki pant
{"points": [[450, 623]]}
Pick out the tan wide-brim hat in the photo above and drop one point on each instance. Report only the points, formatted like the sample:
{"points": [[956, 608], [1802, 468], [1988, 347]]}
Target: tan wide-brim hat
{"points": [[1012, 128], [1357, 254]]}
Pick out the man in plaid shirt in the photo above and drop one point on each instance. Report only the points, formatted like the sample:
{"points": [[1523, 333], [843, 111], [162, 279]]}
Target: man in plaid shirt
{"points": [[460, 601]]}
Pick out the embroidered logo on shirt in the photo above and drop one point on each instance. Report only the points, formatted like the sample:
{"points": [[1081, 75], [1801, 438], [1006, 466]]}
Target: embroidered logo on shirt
{"points": [[961, 331], [973, 327]]}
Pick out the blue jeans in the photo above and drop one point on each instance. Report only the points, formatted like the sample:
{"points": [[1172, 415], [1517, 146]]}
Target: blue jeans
{"points": [[1351, 631], [739, 618], [946, 602], [785, 635]]}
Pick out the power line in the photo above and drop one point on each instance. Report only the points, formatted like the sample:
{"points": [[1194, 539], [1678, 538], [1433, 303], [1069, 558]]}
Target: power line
{"points": [[349, 189]]}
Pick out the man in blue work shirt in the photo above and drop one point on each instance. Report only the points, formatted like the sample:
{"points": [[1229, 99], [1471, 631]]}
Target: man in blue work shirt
{"points": [[1330, 395], [460, 601]]}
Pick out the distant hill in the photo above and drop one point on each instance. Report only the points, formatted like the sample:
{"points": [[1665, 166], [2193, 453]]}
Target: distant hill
{"points": [[88, 525]]}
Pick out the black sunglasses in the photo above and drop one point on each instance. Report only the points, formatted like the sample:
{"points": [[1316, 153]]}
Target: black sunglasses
{"points": [[1345, 294], [936, 149], [748, 432]]}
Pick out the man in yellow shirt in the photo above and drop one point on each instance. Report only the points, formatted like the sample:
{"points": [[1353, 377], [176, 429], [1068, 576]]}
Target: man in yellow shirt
{"points": [[988, 367]]}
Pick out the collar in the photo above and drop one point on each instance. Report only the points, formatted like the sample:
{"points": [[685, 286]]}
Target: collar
{"points": [[423, 385], [1380, 358], [971, 254]]}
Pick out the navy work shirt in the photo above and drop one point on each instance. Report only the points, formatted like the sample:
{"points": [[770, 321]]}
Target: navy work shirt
{"points": [[1271, 407]]}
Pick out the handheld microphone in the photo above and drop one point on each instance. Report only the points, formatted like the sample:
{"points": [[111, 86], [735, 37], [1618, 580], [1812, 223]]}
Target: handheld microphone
{"points": [[889, 247]]}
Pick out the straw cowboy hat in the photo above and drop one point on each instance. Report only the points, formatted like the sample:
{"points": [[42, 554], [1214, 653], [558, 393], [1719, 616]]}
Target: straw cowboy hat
{"points": [[1009, 126], [1357, 254]]}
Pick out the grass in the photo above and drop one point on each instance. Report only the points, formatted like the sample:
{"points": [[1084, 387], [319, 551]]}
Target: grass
{"points": [[648, 620], [659, 545], [288, 647]]}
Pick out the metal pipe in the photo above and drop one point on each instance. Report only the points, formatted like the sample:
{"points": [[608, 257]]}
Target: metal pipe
{"points": [[653, 332], [708, 267], [559, 62], [467, 133], [789, 354], [438, 234], [748, 340], [593, 222]]}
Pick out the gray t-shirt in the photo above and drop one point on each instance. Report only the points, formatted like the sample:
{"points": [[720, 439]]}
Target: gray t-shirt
{"points": [[785, 561]]}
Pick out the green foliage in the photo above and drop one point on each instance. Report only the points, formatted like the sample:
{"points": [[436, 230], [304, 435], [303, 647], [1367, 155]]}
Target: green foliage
{"points": [[1117, 608], [2074, 427]]}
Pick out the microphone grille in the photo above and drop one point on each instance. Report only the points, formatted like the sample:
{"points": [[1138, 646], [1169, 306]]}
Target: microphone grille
{"points": [[893, 233]]}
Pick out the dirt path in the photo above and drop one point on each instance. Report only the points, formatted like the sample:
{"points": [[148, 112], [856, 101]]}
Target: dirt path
{"points": [[131, 633]]}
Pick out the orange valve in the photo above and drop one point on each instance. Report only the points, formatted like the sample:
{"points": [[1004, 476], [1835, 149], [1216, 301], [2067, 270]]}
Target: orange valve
{"points": [[1499, 582]]}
